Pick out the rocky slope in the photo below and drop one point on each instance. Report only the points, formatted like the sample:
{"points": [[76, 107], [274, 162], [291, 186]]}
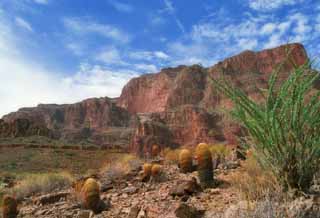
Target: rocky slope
{"points": [[171, 195], [176, 106]]}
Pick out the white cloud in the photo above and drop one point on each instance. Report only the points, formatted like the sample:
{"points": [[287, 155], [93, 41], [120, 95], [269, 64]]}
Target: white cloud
{"points": [[27, 83], [161, 55], [23, 24], [268, 5], [148, 55], [169, 8], [268, 28], [146, 68], [110, 56], [76, 48], [247, 44], [84, 26], [120, 6], [42, 2]]}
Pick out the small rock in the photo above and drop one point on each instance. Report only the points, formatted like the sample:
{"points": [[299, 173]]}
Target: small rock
{"points": [[84, 214], [134, 211], [130, 190], [185, 211], [142, 214], [185, 188], [51, 198]]}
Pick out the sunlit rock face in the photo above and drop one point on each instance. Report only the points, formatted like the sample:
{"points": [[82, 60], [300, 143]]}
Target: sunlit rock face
{"points": [[177, 106]]}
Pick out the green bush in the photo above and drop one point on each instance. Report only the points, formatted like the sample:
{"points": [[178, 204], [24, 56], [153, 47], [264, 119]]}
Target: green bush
{"points": [[283, 129]]}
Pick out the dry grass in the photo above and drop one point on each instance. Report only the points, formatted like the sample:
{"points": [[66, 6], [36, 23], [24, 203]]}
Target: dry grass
{"points": [[171, 156], [33, 184], [120, 167], [255, 183], [220, 150]]}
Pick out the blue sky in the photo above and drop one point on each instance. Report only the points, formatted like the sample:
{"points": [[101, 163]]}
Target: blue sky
{"points": [[63, 51]]}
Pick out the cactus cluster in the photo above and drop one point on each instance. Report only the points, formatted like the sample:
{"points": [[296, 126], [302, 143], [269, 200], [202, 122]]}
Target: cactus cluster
{"points": [[185, 161], [151, 171], [204, 167], [91, 195], [9, 207]]}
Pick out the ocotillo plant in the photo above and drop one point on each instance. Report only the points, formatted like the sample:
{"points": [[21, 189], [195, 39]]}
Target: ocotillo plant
{"points": [[283, 129]]}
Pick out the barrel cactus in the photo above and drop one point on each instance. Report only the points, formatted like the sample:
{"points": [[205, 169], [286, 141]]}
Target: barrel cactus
{"points": [[91, 195], [9, 207], [155, 150], [204, 167], [155, 170], [146, 172], [185, 161]]}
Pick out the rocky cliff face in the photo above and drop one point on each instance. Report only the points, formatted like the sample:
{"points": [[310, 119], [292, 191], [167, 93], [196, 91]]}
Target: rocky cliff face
{"points": [[177, 106], [75, 122], [184, 100]]}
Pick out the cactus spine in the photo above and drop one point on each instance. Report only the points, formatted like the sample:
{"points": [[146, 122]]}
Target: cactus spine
{"points": [[91, 195], [9, 205], [204, 167], [185, 161]]}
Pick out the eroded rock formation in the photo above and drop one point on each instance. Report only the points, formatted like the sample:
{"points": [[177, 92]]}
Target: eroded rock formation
{"points": [[177, 106]]}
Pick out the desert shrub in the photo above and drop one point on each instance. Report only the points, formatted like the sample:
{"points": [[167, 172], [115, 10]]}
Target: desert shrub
{"points": [[254, 183], [41, 183], [120, 167], [220, 150], [284, 128]]}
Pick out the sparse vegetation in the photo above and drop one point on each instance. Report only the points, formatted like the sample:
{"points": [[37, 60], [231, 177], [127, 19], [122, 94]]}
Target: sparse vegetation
{"points": [[171, 156], [220, 150], [34, 160], [254, 183], [119, 167], [284, 128], [41, 183]]}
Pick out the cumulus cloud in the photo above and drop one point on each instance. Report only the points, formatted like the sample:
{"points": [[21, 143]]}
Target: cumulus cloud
{"points": [[28, 83], [23, 24]]}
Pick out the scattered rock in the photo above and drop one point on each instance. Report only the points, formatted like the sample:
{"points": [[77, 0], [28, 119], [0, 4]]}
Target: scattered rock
{"points": [[134, 211], [84, 214], [50, 198], [304, 208], [185, 188], [186, 211]]}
